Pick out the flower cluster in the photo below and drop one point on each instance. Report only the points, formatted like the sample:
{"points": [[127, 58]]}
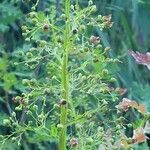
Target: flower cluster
{"points": [[139, 136], [140, 58], [126, 103]]}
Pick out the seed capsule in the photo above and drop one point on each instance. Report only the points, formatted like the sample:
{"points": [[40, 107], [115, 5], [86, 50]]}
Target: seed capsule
{"points": [[46, 27]]}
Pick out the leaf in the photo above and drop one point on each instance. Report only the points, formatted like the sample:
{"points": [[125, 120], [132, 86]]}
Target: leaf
{"points": [[53, 131], [9, 81], [3, 64], [138, 123], [9, 13]]}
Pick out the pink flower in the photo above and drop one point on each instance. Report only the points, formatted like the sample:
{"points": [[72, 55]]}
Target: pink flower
{"points": [[139, 136], [95, 39], [107, 21], [140, 58], [74, 142], [125, 104], [121, 91]]}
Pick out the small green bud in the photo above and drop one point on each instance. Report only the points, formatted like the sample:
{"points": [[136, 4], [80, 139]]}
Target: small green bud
{"points": [[80, 75], [42, 43], [27, 39], [29, 54], [86, 49], [60, 126], [99, 17], [99, 46], [30, 122], [34, 20], [47, 91], [6, 122], [13, 114], [118, 127], [41, 116], [18, 108], [63, 16], [56, 106], [92, 123], [93, 8], [19, 144], [130, 125], [30, 95], [105, 102], [95, 60], [15, 124], [113, 80], [21, 53], [35, 107], [100, 129], [17, 98], [32, 49], [105, 72], [24, 34], [33, 8], [13, 139], [83, 78], [89, 140], [82, 27], [107, 49], [33, 82], [120, 119], [78, 126], [24, 28], [26, 64], [90, 3], [15, 63], [29, 112], [72, 7], [25, 81]]}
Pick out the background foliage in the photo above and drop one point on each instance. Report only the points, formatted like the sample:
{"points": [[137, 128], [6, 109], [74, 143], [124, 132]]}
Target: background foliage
{"points": [[130, 31]]}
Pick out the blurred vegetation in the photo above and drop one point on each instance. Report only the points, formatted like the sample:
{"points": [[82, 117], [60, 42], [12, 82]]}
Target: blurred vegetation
{"points": [[130, 31]]}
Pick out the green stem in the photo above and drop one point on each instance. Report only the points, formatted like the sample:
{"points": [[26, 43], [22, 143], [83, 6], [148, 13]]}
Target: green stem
{"points": [[65, 81]]}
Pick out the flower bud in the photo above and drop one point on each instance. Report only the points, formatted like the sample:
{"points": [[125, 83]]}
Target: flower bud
{"points": [[6, 122], [29, 54], [89, 140], [13, 114], [35, 107], [74, 142], [18, 108], [60, 126], [25, 81], [95, 40], [93, 8], [112, 80], [13, 139], [46, 27], [90, 3]]}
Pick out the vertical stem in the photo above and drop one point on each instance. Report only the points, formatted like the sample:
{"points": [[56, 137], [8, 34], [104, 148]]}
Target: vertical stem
{"points": [[65, 81], [7, 103]]}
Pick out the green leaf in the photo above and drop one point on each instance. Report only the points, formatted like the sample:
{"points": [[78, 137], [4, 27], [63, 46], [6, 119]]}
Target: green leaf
{"points": [[138, 123], [3, 64], [9, 81], [53, 131]]}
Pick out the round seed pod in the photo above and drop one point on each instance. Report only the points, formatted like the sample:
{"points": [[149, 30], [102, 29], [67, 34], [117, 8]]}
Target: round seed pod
{"points": [[46, 27]]}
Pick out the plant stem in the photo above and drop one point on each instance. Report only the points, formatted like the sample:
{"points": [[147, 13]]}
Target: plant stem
{"points": [[7, 103], [65, 81]]}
